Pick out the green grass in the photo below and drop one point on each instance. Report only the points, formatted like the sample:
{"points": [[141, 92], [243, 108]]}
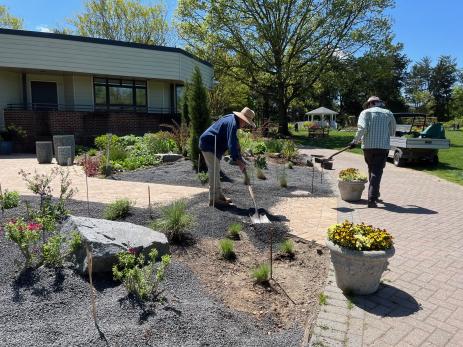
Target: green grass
{"points": [[322, 299], [450, 165]]}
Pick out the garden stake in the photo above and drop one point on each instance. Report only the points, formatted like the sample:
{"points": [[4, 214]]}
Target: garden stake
{"points": [[109, 136], [313, 174], [271, 252], [86, 186], [215, 154], [149, 202], [90, 276]]}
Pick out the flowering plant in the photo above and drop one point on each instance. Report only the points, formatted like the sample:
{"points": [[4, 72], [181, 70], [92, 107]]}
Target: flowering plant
{"points": [[352, 175], [25, 235], [359, 237]]}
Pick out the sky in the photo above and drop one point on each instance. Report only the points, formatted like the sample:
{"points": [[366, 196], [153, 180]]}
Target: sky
{"points": [[425, 27]]}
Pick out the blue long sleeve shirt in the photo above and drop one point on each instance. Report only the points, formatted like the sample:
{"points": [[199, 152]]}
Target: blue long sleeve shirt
{"points": [[224, 130]]}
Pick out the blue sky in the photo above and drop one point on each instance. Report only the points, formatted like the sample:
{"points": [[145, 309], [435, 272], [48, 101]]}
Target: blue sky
{"points": [[426, 27]]}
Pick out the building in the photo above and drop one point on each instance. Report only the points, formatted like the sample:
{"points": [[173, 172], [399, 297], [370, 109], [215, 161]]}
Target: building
{"points": [[53, 84]]}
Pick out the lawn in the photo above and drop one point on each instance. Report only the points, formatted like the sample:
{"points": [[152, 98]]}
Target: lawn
{"points": [[450, 161]]}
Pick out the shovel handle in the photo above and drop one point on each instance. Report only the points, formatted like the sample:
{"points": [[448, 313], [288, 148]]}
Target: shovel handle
{"points": [[342, 150]]}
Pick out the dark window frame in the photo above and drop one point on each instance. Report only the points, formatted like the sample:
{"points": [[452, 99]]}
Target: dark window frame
{"points": [[135, 86]]}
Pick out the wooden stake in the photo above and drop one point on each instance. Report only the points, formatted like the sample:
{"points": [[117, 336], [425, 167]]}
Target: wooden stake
{"points": [[92, 290], [86, 185], [313, 173], [215, 158], [149, 202], [271, 252]]}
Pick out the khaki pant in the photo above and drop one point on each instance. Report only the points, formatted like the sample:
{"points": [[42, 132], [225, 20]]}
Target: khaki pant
{"points": [[213, 169]]}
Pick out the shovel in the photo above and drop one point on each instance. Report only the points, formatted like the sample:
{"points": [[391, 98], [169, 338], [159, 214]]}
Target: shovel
{"points": [[256, 218]]}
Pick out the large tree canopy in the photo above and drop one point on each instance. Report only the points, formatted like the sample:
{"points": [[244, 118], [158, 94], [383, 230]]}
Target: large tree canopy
{"points": [[279, 46], [123, 20], [8, 21]]}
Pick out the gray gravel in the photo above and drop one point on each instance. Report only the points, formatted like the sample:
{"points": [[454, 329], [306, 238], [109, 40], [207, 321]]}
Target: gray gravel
{"points": [[52, 308]]}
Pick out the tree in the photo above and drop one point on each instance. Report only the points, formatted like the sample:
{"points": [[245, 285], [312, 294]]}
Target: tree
{"points": [[286, 44], [417, 90], [443, 77], [8, 21], [198, 111], [123, 20], [456, 104]]}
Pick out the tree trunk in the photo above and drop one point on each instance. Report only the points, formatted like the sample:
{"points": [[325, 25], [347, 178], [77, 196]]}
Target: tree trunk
{"points": [[282, 110]]}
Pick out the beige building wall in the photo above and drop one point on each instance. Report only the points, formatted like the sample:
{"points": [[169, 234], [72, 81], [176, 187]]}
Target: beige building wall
{"points": [[10, 91]]}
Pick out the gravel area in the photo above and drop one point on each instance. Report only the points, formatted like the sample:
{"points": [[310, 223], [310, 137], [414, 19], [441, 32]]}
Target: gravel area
{"points": [[52, 308]]}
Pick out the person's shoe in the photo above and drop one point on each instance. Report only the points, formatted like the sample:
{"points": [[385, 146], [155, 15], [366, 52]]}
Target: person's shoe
{"points": [[372, 204]]}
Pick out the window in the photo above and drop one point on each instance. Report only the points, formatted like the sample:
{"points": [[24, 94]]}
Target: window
{"points": [[120, 94]]}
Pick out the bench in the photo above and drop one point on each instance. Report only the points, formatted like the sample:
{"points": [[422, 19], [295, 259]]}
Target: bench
{"points": [[318, 132]]}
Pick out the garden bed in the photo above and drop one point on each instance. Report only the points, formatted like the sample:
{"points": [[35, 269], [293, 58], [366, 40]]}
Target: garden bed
{"points": [[205, 300]]}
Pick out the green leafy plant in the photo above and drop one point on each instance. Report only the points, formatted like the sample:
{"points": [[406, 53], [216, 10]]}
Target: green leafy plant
{"points": [[75, 242], [118, 209], [290, 165], [260, 162], [322, 299], [174, 221], [14, 133], [141, 278], [359, 237], [289, 150], [352, 175], [234, 230], [261, 273], [160, 142], [9, 200], [102, 141], [227, 247], [26, 237], [274, 145], [203, 177], [51, 251], [287, 248], [92, 152]]}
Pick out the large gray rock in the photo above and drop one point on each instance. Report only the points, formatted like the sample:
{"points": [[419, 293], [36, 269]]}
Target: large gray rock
{"points": [[107, 238], [169, 157]]}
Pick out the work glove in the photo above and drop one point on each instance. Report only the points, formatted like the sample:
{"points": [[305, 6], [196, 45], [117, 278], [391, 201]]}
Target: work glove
{"points": [[352, 144]]}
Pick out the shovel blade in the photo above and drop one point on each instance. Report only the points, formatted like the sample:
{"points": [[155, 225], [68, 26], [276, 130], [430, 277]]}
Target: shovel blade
{"points": [[257, 218]]}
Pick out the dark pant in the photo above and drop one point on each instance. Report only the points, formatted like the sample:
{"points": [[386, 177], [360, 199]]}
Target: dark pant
{"points": [[376, 161]]}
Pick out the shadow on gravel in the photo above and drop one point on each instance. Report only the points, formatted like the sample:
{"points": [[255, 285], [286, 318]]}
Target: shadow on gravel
{"points": [[27, 278], [146, 309], [388, 301]]}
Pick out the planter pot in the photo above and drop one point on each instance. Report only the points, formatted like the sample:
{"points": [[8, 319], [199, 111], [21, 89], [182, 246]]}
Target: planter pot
{"points": [[358, 272], [64, 141], [44, 152], [64, 157], [351, 191], [6, 147]]}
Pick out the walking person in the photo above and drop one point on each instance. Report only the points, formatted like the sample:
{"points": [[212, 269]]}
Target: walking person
{"points": [[219, 137], [375, 127]]}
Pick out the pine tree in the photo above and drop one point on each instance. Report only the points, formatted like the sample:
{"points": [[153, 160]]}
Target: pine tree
{"points": [[198, 111]]}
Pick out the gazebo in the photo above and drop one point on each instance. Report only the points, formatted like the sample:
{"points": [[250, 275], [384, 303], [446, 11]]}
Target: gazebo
{"points": [[322, 112]]}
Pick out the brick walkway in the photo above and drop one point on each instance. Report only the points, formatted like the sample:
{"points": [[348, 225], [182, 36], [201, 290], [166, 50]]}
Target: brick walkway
{"points": [[420, 301]]}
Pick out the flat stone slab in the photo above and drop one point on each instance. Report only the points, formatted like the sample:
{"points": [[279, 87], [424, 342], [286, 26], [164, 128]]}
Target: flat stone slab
{"points": [[107, 238], [169, 157]]}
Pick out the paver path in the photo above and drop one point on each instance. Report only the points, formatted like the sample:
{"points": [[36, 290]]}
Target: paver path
{"points": [[100, 190], [420, 302]]}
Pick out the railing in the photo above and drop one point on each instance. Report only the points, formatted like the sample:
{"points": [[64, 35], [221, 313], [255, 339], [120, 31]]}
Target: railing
{"points": [[89, 108]]}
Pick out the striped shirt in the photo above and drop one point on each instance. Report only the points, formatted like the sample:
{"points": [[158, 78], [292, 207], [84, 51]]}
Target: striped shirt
{"points": [[375, 127]]}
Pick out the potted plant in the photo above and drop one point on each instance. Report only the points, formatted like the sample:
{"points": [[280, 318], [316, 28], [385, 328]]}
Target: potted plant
{"points": [[359, 254], [9, 136], [351, 183]]}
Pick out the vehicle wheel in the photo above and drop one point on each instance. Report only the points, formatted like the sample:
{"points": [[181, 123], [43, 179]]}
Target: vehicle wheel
{"points": [[397, 159], [435, 161]]}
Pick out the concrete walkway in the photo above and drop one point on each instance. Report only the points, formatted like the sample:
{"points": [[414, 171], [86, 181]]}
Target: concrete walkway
{"points": [[420, 301], [100, 190]]}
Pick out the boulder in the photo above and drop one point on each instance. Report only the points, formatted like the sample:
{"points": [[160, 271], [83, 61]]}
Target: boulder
{"points": [[108, 238], [169, 157]]}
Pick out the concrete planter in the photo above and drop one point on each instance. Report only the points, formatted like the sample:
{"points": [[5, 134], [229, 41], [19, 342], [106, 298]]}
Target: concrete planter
{"points": [[64, 157], [64, 141], [44, 152], [351, 191], [358, 272]]}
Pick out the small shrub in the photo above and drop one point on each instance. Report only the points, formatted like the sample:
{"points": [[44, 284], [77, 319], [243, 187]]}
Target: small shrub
{"points": [[203, 177], [174, 221], [227, 249], [283, 178], [119, 209], [129, 140], [258, 148], [322, 299], [261, 274], [75, 242], [274, 145], [9, 200], [138, 277], [118, 154], [260, 162], [287, 248], [234, 230], [25, 235], [51, 251], [91, 165], [160, 142], [359, 237], [101, 142], [288, 150], [260, 174], [92, 152], [352, 175]]}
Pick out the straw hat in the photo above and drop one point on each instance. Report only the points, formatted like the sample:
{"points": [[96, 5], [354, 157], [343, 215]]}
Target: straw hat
{"points": [[371, 99], [247, 115]]}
